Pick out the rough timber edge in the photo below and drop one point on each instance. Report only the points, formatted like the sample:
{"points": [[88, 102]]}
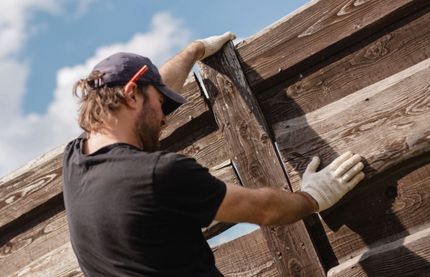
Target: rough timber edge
{"points": [[274, 25], [33, 163]]}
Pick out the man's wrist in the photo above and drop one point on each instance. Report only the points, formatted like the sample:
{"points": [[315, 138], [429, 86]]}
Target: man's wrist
{"points": [[198, 49], [311, 203]]}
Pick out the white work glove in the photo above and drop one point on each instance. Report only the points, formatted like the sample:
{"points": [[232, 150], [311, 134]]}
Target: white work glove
{"points": [[214, 43], [330, 184]]}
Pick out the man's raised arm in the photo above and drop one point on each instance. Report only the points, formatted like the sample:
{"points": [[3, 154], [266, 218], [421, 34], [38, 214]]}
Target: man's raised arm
{"points": [[175, 71]]}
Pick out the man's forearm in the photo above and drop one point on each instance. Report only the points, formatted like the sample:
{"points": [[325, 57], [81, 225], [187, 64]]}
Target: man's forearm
{"points": [[175, 71], [286, 207]]}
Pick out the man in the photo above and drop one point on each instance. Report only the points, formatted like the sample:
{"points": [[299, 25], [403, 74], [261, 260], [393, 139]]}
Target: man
{"points": [[136, 211]]}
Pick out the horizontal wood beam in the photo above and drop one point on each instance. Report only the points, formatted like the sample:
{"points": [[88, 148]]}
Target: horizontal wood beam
{"points": [[396, 48], [408, 256], [59, 262], [31, 186], [195, 107], [313, 33], [379, 211], [394, 128]]}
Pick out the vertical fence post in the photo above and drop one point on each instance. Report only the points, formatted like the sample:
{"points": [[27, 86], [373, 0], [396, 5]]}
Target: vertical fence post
{"points": [[239, 117]]}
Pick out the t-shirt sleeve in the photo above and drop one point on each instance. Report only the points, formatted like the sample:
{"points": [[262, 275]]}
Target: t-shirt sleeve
{"points": [[187, 189]]}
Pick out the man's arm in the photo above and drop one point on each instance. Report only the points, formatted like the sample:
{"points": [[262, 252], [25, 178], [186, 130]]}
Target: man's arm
{"points": [[268, 206], [175, 71], [264, 206]]}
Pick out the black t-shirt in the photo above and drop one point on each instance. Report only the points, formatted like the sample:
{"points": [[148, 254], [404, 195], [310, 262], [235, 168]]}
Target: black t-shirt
{"points": [[135, 213]]}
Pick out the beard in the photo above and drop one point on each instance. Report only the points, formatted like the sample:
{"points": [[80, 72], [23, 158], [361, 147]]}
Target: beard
{"points": [[148, 129]]}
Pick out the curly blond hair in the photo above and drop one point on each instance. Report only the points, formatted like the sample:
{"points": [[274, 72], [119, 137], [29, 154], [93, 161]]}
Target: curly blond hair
{"points": [[98, 104]]}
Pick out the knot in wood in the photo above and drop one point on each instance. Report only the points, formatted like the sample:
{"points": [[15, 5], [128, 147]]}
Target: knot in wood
{"points": [[264, 137], [295, 90], [295, 267], [378, 50], [227, 85], [254, 168], [243, 128]]}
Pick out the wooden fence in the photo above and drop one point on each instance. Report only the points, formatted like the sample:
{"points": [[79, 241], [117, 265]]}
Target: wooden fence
{"points": [[335, 75]]}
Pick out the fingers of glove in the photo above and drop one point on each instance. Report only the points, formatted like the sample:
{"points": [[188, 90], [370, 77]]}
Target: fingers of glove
{"points": [[228, 36], [355, 180], [313, 165], [352, 172], [339, 160], [214, 43], [346, 165]]}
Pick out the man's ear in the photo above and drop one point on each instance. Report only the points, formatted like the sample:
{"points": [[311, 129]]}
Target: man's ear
{"points": [[130, 93]]}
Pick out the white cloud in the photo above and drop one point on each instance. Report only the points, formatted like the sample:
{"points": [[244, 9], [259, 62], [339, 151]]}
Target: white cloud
{"points": [[14, 18], [26, 137]]}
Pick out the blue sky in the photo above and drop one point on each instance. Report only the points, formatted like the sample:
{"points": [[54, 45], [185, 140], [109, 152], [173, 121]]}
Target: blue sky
{"points": [[46, 45]]}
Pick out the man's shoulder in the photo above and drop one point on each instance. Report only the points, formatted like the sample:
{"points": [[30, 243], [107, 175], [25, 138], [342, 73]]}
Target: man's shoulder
{"points": [[170, 161]]}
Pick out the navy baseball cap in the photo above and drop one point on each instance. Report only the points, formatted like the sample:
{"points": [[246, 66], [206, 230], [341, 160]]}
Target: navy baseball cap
{"points": [[119, 68]]}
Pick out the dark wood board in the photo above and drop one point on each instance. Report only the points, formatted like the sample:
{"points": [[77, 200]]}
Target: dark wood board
{"points": [[386, 123], [30, 186], [379, 211], [239, 118], [193, 108], [408, 256], [390, 51], [313, 33]]}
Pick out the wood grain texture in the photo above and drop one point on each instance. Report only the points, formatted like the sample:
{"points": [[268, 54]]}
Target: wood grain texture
{"points": [[388, 52], [59, 262], [248, 255], [193, 108], [386, 123], [379, 211], [239, 118], [408, 256], [209, 151], [34, 243], [30, 186], [310, 35]]}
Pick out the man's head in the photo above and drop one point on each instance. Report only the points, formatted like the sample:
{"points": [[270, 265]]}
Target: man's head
{"points": [[104, 99]]}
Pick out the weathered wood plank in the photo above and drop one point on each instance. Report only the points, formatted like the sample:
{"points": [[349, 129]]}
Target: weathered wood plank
{"points": [[313, 33], [59, 262], [408, 256], [248, 255], [394, 128], [34, 243], [209, 151], [43, 237], [384, 209], [193, 108], [241, 121], [390, 51], [30, 186]]}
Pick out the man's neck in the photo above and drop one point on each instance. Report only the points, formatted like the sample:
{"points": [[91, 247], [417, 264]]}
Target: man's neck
{"points": [[96, 141]]}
